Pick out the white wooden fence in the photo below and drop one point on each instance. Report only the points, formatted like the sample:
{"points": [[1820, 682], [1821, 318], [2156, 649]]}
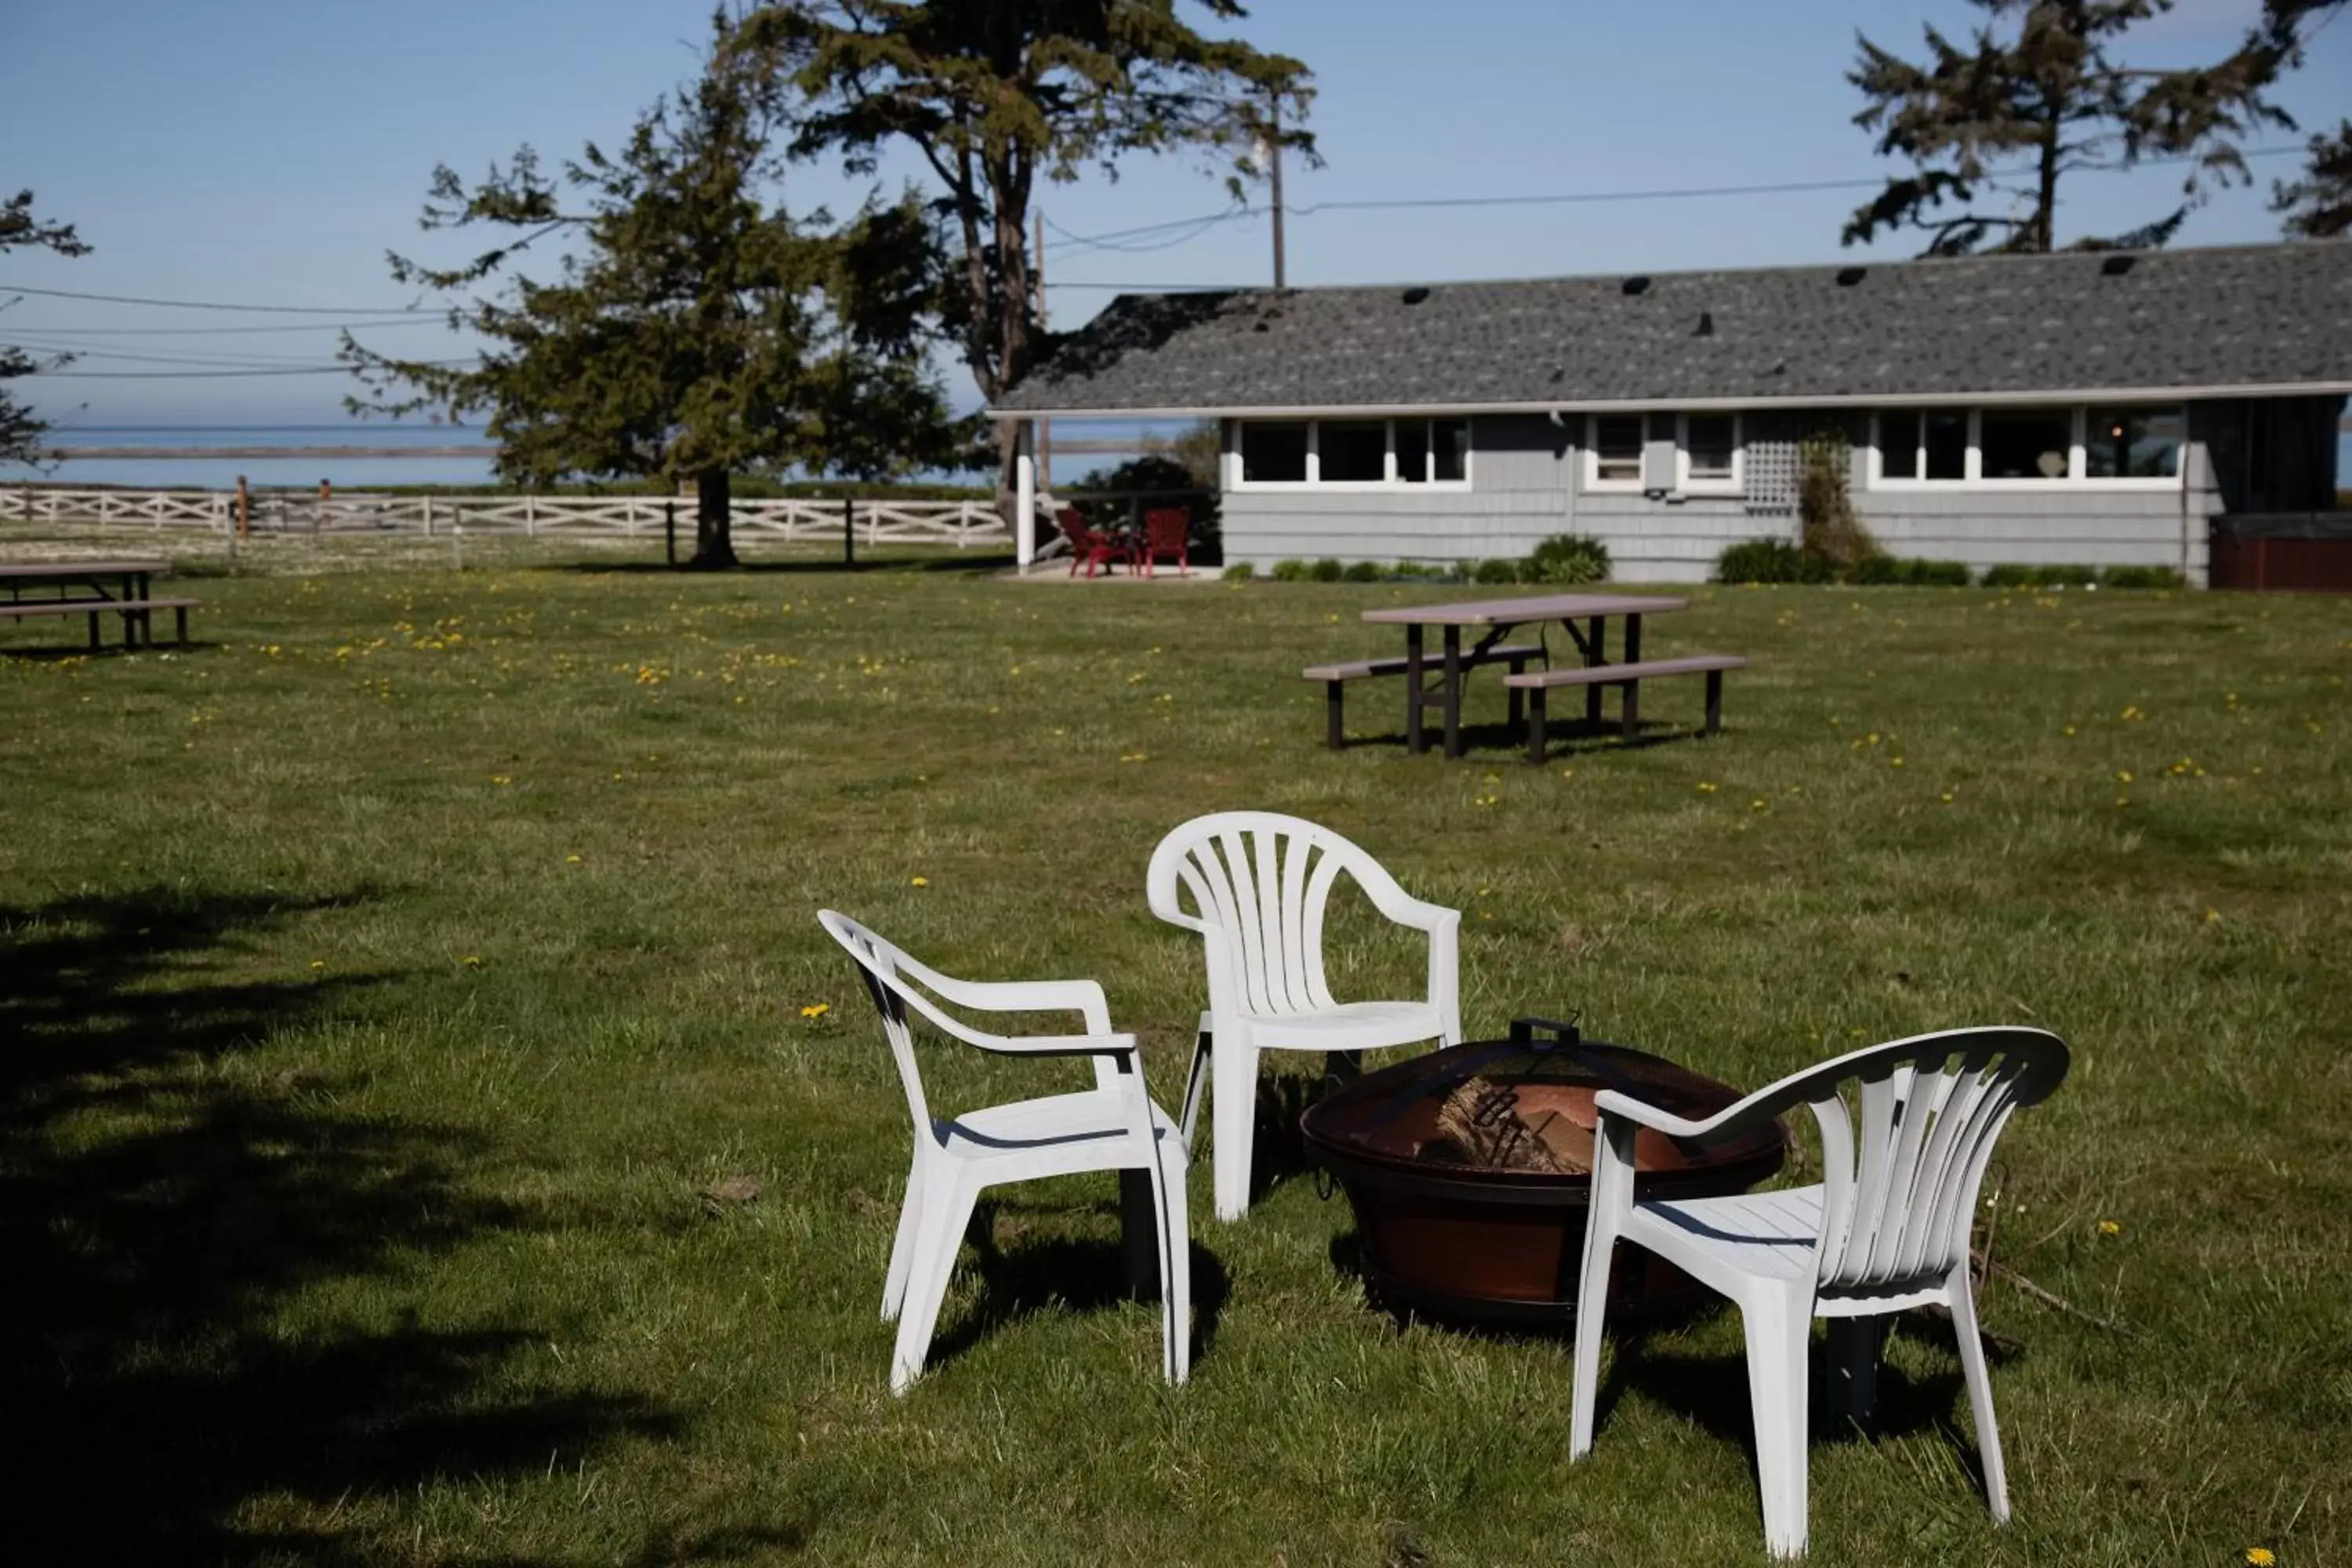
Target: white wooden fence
{"points": [[962, 523]]}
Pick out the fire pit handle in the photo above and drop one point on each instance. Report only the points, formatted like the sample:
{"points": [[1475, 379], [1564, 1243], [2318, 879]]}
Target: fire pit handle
{"points": [[1523, 1031]]}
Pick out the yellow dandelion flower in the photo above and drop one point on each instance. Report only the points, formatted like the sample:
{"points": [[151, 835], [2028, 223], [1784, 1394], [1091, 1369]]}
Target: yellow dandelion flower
{"points": [[2123, 776], [2261, 1557], [317, 964], [501, 779], [918, 881], [2110, 1227], [472, 962], [572, 859], [2213, 917], [817, 1009], [1755, 806], [1948, 797], [1705, 789]]}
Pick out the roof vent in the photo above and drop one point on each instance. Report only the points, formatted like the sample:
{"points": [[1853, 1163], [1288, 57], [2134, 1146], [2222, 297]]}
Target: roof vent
{"points": [[1639, 284], [1706, 324], [1416, 295], [2116, 266], [1849, 275]]}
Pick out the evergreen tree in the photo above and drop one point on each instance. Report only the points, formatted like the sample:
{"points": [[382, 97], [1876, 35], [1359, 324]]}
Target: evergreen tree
{"points": [[2319, 205], [2048, 94], [997, 95], [695, 330], [21, 431]]}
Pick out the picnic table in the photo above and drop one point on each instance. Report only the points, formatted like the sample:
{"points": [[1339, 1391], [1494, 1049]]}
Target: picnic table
{"points": [[1586, 617], [93, 588]]}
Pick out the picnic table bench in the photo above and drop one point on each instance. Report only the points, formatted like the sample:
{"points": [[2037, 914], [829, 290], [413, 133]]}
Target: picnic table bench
{"points": [[131, 598], [1335, 677], [1584, 616]]}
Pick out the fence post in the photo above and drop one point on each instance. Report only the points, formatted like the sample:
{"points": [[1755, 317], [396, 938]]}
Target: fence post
{"points": [[849, 532], [529, 516], [428, 517], [244, 508], [669, 529]]}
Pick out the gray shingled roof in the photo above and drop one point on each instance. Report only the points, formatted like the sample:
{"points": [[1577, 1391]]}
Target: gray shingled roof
{"points": [[2250, 316]]}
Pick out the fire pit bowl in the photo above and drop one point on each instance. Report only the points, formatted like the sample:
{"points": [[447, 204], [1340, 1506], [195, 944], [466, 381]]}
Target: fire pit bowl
{"points": [[1469, 1171]]}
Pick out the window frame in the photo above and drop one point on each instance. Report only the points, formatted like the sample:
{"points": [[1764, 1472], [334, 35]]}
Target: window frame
{"points": [[1592, 479], [2077, 477], [1390, 482], [1712, 485]]}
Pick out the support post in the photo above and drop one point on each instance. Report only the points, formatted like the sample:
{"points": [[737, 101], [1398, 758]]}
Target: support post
{"points": [[669, 529], [849, 534], [244, 508], [1024, 495]]}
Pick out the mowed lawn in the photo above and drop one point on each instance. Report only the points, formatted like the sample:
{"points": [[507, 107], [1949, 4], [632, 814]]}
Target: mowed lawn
{"points": [[387, 982]]}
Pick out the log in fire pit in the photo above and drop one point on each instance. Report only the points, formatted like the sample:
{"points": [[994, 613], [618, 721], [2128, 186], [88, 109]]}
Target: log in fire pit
{"points": [[1470, 1171]]}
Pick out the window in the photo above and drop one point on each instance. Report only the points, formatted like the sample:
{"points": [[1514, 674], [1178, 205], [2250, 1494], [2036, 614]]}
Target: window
{"points": [[2024, 443], [2133, 443], [2118, 444], [1712, 441], [1274, 453], [1412, 451], [1617, 449], [1449, 450], [1356, 453], [1943, 445]]}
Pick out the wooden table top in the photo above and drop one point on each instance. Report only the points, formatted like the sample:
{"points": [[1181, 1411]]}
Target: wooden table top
{"points": [[29, 570], [1531, 608]]}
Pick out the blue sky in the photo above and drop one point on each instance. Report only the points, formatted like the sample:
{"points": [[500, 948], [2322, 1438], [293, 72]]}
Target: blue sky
{"points": [[270, 151]]}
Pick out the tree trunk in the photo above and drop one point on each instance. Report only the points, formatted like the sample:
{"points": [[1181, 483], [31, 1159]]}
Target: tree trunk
{"points": [[714, 535], [2045, 220]]}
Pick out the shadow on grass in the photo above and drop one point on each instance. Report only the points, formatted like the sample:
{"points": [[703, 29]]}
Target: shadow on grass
{"points": [[159, 1203], [61, 654], [1081, 1275], [1563, 737]]}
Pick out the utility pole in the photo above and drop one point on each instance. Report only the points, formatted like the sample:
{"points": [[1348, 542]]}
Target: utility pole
{"points": [[1274, 175], [1037, 299]]}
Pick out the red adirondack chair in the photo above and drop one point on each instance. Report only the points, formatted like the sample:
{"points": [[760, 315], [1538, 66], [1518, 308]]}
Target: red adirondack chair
{"points": [[1091, 546], [1167, 531]]}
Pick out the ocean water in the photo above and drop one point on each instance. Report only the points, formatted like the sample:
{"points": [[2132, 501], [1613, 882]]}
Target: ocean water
{"points": [[362, 473], [305, 472]]}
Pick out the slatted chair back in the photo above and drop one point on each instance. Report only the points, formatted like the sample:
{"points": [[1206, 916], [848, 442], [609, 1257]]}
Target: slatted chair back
{"points": [[885, 966], [1167, 530], [1907, 1129], [1073, 525], [1259, 884]]}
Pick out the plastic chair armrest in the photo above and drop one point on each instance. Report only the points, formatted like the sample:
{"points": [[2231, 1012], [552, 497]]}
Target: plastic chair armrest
{"points": [[1610, 1103], [1056, 1045], [1084, 997]]}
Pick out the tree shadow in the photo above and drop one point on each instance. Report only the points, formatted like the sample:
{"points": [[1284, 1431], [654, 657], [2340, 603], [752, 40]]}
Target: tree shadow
{"points": [[1079, 1274], [161, 1200]]}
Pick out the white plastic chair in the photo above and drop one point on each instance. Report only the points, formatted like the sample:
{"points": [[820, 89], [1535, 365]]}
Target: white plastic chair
{"points": [[1886, 1230], [1114, 1126], [1259, 883]]}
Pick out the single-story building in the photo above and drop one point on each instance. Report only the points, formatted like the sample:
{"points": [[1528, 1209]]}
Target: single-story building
{"points": [[2099, 408]]}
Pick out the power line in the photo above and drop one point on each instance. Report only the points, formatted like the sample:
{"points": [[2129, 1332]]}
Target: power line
{"points": [[229, 332], [212, 362], [212, 375], [217, 305]]}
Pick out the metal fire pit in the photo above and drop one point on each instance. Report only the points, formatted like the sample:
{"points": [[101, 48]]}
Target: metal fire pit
{"points": [[1452, 1232]]}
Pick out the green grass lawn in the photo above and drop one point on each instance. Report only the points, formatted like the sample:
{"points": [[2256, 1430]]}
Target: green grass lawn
{"points": [[385, 982]]}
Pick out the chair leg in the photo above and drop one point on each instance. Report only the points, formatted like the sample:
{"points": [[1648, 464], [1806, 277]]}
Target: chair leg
{"points": [[1592, 1310], [902, 1246], [1232, 1111], [1175, 1273], [1972, 1363], [1778, 1323], [1196, 1081], [946, 1211]]}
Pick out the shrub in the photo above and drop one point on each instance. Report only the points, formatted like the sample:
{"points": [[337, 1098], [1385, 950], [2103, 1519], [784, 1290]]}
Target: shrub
{"points": [[1494, 572], [1877, 571], [1325, 570], [1566, 559], [1769, 560], [1290, 570], [1460, 571], [2008, 577], [2139, 577], [1240, 572], [1363, 572], [1410, 571], [1831, 530], [2064, 577], [1939, 573]]}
